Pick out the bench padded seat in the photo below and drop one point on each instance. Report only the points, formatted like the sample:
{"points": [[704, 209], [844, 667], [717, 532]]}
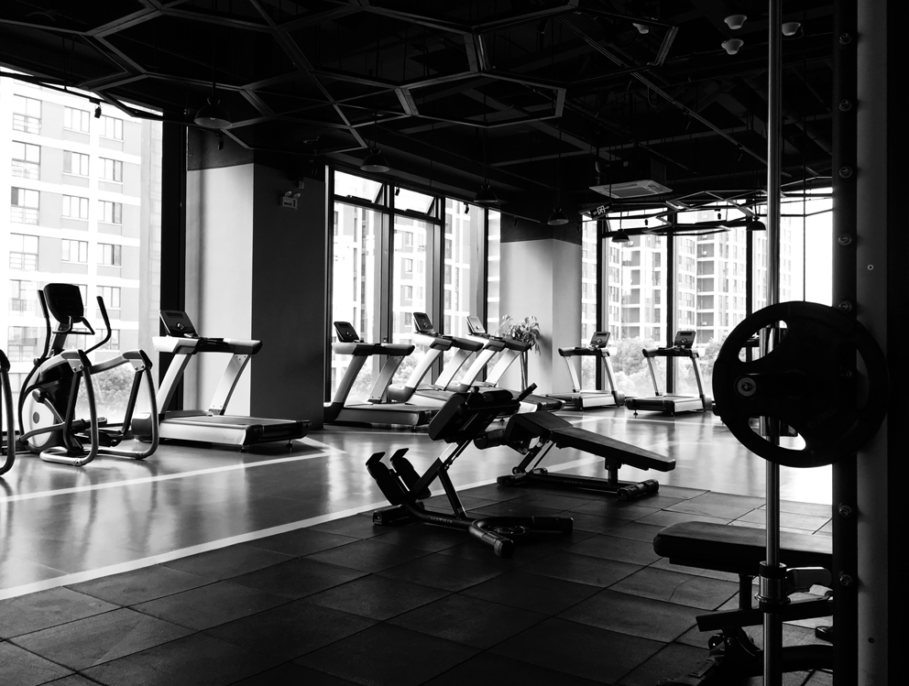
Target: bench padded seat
{"points": [[737, 549]]}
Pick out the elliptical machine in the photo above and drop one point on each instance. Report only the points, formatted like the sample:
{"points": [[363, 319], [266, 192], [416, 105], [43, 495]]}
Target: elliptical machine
{"points": [[7, 446], [48, 424]]}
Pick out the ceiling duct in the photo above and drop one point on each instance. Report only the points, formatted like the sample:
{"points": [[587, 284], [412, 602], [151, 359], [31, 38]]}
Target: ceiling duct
{"points": [[631, 189]]}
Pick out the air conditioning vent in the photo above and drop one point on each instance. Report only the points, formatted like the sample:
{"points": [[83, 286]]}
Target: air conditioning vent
{"points": [[631, 189]]}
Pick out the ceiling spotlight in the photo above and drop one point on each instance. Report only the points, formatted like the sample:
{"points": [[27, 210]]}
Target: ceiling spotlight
{"points": [[733, 45], [557, 218], [212, 115], [621, 237], [735, 21], [643, 29], [790, 28], [98, 112], [375, 162], [486, 196]]}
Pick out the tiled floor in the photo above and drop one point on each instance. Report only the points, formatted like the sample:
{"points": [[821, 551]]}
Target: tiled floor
{"points": [[310, 592]]}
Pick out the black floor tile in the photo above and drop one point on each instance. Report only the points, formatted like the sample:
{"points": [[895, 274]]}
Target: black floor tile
{"points": [[633, 615], [28, 613], [377, 597], [101, 638], [367, 555], [593, 523], [582, 569], [71, 680], [674, 660], [190, 661], [358, 526], [720, 505], [208, 606], [617, 509], [387, 655], [518, 507], [291, 630], [488, 669], [446, 572], [22, 668], [292, 674], [635, 531], [494, 492], [225, 563], [617, 549], [584, 651], [140, 585], [681, 589], [542, 594], [298, 578], [424, 537], [471, 621], [302, 542]]}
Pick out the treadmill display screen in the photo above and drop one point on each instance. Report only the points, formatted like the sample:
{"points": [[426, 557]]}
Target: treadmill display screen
{"points": [[685, 338], [475, 326], [178, 324], [422, 323], [346, 332], [600, 339]]}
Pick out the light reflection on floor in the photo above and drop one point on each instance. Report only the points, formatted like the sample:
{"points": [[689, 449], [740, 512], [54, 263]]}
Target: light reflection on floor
{"points": [[58, 520]]}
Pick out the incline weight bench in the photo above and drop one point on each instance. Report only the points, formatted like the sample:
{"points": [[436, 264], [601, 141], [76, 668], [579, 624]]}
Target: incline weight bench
{"points": [[464, 418], [551, 431], [740, 550]]}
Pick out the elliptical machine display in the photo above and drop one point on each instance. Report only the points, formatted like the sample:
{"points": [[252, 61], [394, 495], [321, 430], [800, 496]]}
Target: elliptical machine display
{"points": [[48, 421]]}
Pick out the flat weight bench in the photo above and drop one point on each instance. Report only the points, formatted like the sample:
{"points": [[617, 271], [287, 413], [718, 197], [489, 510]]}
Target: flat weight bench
{"points": [[740, 550], [553, 431]]}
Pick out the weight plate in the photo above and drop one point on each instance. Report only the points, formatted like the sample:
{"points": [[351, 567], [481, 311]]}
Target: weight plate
{"points": [[827, 379]]}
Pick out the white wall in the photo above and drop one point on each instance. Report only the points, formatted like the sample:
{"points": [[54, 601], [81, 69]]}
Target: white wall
{"points": [[543, 278], [219, 275]]}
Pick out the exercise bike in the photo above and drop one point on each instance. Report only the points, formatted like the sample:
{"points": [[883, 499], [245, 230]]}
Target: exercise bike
{"points": [[48, 423]]}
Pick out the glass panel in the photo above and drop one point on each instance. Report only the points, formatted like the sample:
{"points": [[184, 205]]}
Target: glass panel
{"points": [[635, 284], [411, 271], [411, 200], [493, 248], [355, 284], [462, 253], [33, 262], [350, 186], [588, 301]]}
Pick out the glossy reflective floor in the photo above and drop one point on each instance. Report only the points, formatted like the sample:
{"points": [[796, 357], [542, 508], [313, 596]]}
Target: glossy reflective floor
{"points": [[191, 517]]}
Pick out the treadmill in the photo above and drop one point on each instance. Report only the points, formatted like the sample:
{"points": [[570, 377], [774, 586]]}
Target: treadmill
{"points": [[672, 403], [579, 398], [438, 393], [510, 350], [380, 407], [212, 425]]}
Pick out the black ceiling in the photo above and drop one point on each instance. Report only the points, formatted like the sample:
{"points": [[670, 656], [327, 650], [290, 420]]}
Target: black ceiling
{"points": [[541, 89]]}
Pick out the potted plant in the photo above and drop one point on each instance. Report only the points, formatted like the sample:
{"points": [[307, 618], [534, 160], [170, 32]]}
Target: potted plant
{"points": [[527, 330]]}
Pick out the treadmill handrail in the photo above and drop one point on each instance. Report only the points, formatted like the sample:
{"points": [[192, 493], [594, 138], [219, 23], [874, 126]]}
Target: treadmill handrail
{"points": [[190, 346]]}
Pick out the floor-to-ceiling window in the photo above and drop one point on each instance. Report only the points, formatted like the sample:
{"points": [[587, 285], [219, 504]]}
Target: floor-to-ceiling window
{"points": [[84, 198], [396, 251]]}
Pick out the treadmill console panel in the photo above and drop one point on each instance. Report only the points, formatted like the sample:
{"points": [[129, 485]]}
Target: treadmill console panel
{"points": [[684, 339], [423, 324], [475, 326], [178, 324], [346, 333], [600, 339]]}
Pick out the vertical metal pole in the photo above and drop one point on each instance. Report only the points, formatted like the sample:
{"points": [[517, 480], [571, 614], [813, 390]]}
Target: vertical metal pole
{"points": [[773, 627], [671, 297]]}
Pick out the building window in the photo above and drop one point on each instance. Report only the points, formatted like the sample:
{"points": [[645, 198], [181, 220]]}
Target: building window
{"points": [[23, 252], [110, 255], [111, 212], [111, 170], [24, 206], [75, 207], [114, 342], [111, 127], [74, 251], [23, 297], [76, 120], [111, 296], [26, 160], [23, 343], [75, 163], [26, 114]]}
